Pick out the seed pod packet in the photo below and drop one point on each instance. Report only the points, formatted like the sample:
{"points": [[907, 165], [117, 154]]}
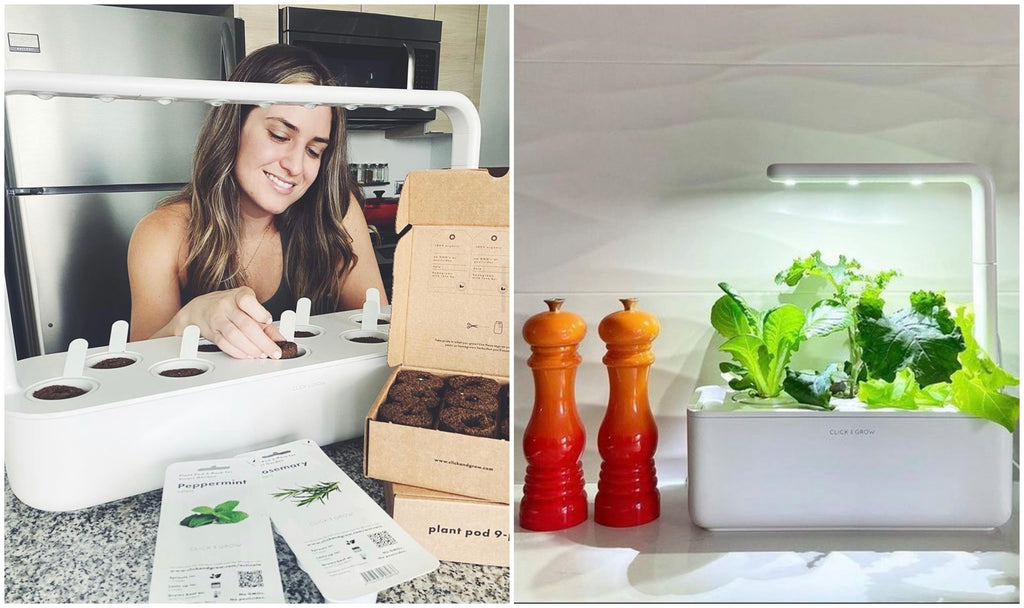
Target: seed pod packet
{"points": [[340, 536], [214, 542]]}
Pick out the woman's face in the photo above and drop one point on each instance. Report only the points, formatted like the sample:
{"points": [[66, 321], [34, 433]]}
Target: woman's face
{"points": [[279, 154]]}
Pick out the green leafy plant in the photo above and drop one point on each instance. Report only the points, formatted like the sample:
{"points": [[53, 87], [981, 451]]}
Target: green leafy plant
{"points": [[813, 388], [978, 385], [224, 513], [976, 388], [308, 494], [850, 286], [761, 343], [923, 338], [919, 357], [903, 392]]}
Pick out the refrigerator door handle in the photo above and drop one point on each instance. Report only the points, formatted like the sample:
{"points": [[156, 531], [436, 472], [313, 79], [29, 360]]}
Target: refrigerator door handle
{"points": [[227, 51]]}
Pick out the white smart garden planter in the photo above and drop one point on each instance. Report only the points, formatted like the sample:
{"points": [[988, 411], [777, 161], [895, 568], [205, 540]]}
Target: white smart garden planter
{"points": [[117, 439], [754, 468]]}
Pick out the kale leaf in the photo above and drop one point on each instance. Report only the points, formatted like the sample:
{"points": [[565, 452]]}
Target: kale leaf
{"points": [[922, 338]]}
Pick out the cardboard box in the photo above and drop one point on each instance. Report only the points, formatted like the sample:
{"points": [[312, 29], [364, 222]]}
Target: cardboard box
{"points": [[449, 316], [452, 528]]}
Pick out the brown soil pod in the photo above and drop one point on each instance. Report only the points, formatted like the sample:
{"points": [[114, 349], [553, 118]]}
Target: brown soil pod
{"points": [[367, 340], [58, 391], [182, 372], [289, 350], [408, 414], [467, 422], [113, 363]]}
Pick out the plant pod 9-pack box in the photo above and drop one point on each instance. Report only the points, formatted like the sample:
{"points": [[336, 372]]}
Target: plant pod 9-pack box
{"points": [[452, 528], [449, 317]]}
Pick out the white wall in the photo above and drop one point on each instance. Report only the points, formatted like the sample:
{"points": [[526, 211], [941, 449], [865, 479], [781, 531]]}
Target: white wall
{"points": [[642, 138], [494, 90]]}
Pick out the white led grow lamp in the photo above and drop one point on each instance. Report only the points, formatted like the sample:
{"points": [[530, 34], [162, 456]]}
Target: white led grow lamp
{"points": [[464, 117], [983, 213]]}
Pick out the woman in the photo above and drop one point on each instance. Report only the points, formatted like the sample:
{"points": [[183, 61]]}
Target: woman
{"points": [[271, 215]]}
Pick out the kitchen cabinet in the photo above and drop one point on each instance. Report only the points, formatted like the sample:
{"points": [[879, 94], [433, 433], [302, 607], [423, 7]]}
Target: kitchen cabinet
{"points": [[462, 45], [462, 54]]}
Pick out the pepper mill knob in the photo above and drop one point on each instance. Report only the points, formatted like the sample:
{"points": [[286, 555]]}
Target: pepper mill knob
{"points": [[629, 327], [554, 327], [553, 492], [627, 490]]}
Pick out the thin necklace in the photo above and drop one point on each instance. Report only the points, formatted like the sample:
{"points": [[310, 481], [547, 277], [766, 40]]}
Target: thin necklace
{"points": [[258, 245]]}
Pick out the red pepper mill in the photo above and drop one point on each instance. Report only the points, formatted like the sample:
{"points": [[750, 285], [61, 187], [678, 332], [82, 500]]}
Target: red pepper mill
{"points": [[553, 494], [627, 490]]}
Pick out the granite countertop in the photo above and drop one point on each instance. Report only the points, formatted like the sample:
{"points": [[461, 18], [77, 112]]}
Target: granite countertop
{"points": [[104, 554], [672, 560]]}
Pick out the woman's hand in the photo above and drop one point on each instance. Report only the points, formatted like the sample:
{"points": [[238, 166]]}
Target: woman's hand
{"points": [[235, 321]]}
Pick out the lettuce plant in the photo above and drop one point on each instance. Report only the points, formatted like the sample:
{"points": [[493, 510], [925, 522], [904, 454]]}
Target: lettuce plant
{"points": [[919, 357], [761, 343], [837, 312], [903, 392], [978, 385], [813, 388], [976, 388]]}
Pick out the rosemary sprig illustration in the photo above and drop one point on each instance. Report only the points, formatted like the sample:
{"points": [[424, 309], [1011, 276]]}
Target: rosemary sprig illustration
{"points": [[307, 494]]}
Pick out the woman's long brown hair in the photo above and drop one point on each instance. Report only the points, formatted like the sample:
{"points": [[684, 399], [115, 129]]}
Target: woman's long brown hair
{"points": [[319, 251]]}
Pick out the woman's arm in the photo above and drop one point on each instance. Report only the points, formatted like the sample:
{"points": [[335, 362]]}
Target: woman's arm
{"points": [[153, 270], [365, 273], [233, 319]]}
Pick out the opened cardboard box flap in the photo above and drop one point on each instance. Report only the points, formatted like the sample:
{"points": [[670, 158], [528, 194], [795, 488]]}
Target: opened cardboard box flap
{"points": [[453, 197], [450, 304]]}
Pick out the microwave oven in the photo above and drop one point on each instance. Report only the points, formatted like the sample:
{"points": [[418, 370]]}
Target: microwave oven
{"points": [[370, 50]]}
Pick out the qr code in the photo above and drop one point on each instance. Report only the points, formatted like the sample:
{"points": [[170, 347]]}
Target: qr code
{"points": [[382, 539], [247, 579]]}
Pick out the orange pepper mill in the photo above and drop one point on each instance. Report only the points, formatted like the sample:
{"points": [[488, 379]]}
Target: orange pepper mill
{"points": [[627, 489], [553, 494]]}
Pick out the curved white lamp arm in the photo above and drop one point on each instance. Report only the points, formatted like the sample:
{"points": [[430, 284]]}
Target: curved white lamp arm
{"points": [[983, 218], [464, 117]]}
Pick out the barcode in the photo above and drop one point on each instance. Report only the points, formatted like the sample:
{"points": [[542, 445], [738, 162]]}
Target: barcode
{"points": [[382, 539], [250, 578], [378, 573]]}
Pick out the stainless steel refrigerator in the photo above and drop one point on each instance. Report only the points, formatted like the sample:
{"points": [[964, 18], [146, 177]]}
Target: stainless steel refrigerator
{"points": [[80, 173]]}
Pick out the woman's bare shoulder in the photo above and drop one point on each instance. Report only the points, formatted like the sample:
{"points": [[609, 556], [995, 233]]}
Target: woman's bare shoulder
{"points": [[172, 217], [161, 233]]}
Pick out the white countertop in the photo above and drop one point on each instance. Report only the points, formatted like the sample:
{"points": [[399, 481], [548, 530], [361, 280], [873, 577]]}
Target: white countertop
{"points": [[672, 560]]}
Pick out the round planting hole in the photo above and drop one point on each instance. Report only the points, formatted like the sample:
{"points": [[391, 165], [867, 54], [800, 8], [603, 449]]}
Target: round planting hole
{"points": [[112, 360], [181, 368], [205, 346], [382, 320], [61, 388], [365, 337], [308, 331]]}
